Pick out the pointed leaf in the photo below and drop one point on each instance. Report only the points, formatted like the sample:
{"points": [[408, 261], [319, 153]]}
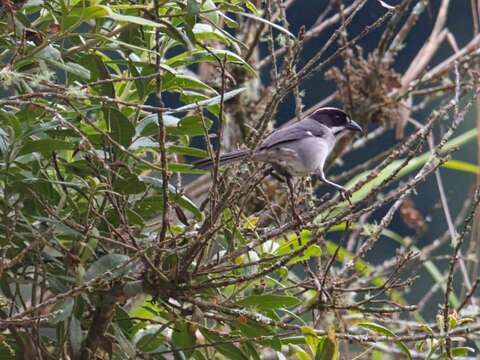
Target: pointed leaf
{"points": [[181, 200], [382, 330], [186, 150], [122, 131], [107, 263], [45, 146], [269, 23], [76, 337], [326, 349], [229, 350], [182, 338], [269, 301], [201, 56], [212, 101]]}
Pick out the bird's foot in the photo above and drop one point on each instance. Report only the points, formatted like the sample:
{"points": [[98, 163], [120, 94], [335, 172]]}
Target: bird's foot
{"points": [[346, 195]]}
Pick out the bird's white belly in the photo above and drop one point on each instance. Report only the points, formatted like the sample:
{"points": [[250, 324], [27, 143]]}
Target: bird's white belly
{"points": [[301, 157]]}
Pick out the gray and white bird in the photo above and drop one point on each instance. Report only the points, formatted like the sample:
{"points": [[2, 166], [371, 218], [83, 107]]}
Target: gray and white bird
{"points": [[299, 149]]}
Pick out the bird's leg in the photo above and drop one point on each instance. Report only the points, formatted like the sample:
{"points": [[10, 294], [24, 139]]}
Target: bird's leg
{"points": [[288, 179], [343, 192], [278, 173], [277, 176], [268, 172]]}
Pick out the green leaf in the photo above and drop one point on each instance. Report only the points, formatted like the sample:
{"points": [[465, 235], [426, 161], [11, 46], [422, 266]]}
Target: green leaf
{"points": [[180, 83], [265, 21], [106, 264], [296, 340], [209, 102], [209, 32], [230, 6], [250, 6], [12, 120], [189, 205], [311, 251], [197, 355], [80, 14], [184, 168], [156, 182], [311, 338], [326, 349], [182, 337], [122, 317], [122, 131], [80, 167], [208, 7], [45, 146], [276, 343], [4, 141], [125, 345], [98, 71], [269, 301], [63, 311], [72, 68], [299, 352], [251, 328], [229, 350], [462, 166], [129, 184], [231, 23], [9, 347], [379, 329], [139, 83], [382, 330], [180, 200], [192, 126], [133, 20], [294, 243], [143, 142], [193, 9], [76, 336], [87, 12], [187, 150], [150, 339], [462, 351], [201, 56], [149, 125], [253, 352]]}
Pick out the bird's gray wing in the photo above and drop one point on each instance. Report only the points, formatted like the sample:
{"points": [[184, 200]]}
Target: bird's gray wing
{"points": [[297, 131]]}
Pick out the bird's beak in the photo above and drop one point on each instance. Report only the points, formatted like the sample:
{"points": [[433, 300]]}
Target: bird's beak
{"points": [[352, 125]]}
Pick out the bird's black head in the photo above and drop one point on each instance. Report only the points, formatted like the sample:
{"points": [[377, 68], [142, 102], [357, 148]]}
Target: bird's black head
{"points": [[337, 120]]}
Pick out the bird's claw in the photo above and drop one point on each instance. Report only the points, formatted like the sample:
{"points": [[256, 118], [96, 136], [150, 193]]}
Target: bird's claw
{"points": [[346, 195]]}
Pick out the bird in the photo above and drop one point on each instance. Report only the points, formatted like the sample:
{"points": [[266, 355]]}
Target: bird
{"points": [[297, 149]]}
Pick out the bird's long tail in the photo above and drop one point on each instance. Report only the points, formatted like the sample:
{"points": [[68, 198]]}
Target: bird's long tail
{"points": [[224, 159]]}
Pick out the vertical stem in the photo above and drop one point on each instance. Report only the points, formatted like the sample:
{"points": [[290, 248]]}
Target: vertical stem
{"points": [[291, 63], [222, 63], [161, 128], [475, 235], [271, 44], [453, 261], [347, 67]]}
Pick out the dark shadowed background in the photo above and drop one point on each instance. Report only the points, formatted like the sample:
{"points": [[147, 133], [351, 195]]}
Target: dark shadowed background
{"points": [[457, 184]]}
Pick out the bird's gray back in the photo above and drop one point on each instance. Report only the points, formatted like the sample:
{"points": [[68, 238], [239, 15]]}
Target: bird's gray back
{"points": [[300, 149], [300, 130]]}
